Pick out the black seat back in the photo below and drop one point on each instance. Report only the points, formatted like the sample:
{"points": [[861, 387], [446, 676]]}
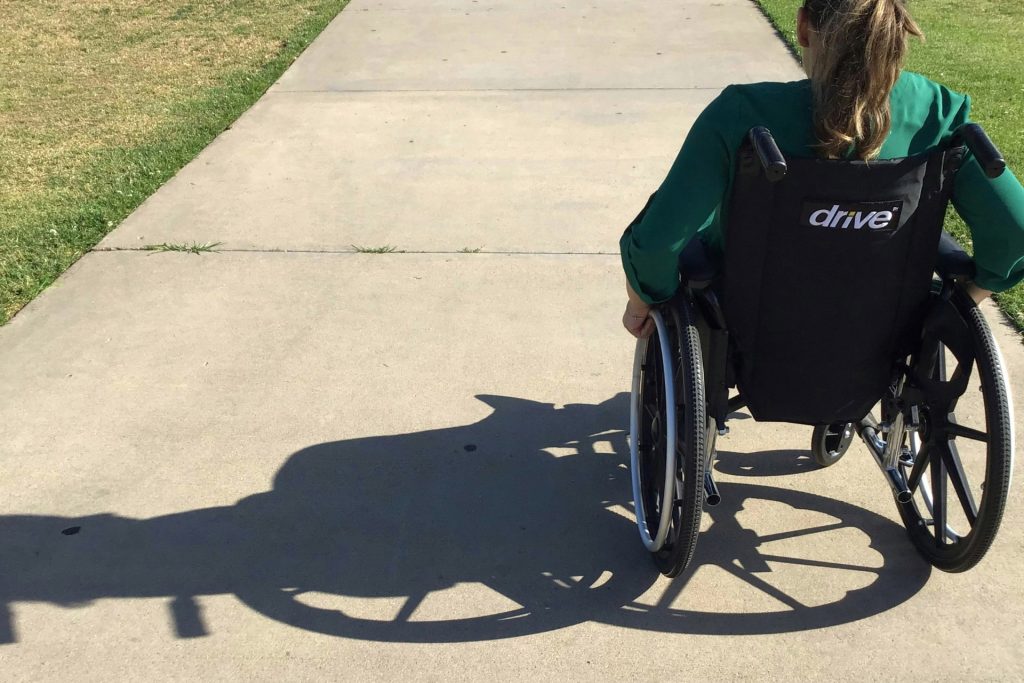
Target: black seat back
{"points": [[827, 273]]}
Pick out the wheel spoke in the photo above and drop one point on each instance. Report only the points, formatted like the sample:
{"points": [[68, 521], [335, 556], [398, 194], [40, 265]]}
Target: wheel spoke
{"points": [[920, 463], [966, 432], [657, 474], [938, 470], [659, 384], [951, 459]]}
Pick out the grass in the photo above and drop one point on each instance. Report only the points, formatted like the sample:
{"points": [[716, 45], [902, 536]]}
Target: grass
{"points": [[386, 249], [194, 248], [104, 100], [470, 250], [973, 46]]}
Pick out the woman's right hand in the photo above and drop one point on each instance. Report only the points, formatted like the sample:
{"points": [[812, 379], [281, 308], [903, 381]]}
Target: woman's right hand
{"points": [[978, 294]]}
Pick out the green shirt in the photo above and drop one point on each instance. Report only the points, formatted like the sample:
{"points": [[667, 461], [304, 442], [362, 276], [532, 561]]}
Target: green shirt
{"points": [[689, 201]]}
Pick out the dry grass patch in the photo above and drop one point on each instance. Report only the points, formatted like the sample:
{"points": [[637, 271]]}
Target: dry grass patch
{"points": [[102, 100], [94, 73]]}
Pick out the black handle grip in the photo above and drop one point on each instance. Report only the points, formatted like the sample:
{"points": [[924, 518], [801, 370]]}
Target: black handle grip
{"points": [[984, 150], [768, 153]]}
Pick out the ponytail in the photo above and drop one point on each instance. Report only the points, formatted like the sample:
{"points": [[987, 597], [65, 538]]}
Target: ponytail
{"points": [[863, 44]]}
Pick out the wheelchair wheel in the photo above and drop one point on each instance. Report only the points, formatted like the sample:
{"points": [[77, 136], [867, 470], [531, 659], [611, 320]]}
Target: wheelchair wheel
{"points": [[829, 443], [667, 439], [958, 461]]}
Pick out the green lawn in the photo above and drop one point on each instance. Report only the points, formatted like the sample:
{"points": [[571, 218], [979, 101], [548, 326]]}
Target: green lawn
{"points": [[976, 47], [104, 100]]}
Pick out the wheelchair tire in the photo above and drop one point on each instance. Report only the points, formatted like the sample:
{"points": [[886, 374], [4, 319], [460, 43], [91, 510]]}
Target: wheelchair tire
{"points": [[668, 438], [956, 545], [829, 443]]}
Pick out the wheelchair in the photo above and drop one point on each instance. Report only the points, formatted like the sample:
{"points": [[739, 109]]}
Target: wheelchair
{"points": [[840, 305]]}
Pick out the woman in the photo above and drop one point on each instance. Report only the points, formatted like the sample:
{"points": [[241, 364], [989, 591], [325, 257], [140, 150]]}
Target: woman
{"points": [[856, 103]]}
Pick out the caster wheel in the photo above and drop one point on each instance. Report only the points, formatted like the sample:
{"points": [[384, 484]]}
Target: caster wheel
{"points": [[829, 442]]}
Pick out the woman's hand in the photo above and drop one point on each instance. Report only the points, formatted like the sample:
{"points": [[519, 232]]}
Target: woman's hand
{"points": [[977, 293], [637, 319]]}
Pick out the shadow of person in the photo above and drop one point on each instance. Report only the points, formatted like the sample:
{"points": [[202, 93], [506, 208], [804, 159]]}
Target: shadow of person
{"points": [[513, 525]]}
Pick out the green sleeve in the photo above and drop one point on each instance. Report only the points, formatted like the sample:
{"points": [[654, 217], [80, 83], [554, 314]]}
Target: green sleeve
{"points": [[687, 199], [994, 211]]}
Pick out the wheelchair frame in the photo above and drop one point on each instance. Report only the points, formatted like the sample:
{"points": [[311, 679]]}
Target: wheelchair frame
{"points": [[680, 402]]}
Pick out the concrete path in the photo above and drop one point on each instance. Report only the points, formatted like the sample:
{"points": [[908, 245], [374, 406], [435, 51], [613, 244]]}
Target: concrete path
{"points": [[289, 461]]}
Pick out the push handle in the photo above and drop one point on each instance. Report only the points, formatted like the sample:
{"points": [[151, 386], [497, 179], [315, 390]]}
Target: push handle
{"points": [[768, 153], [983, 149]]}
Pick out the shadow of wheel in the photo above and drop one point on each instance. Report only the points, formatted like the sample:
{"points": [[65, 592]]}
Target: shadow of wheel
{"points": [[755, 559], [747, 556], [555, 604]]}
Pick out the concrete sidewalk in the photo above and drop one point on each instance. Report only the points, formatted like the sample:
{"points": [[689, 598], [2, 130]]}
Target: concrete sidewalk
{"points": [[289, 461]]}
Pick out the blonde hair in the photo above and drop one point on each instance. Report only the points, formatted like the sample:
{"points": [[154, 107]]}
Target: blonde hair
{"points": [[863, 44]]}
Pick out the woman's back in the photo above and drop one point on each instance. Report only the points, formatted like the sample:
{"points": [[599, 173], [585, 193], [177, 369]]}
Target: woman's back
{"points": [[924, 114], [856, 103], [690, 201]]}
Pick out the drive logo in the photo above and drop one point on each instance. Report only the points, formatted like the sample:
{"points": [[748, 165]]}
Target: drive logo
{"points": [[852, 215]]}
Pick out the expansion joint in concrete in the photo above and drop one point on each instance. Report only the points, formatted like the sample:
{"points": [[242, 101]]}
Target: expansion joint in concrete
{"points": [[396, 252], [441, 91]]}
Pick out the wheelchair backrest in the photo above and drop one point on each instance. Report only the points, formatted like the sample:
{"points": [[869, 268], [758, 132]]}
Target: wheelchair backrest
{"points": [[827, 275]]}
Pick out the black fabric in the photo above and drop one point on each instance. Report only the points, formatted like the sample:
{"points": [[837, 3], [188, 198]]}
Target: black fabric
{"points": [[696, 264], [818, 315], [953, 261]]}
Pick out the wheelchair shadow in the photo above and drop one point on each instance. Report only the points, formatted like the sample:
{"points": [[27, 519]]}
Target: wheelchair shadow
{"points": [[765, 463], [514, 525], [762, 582]]}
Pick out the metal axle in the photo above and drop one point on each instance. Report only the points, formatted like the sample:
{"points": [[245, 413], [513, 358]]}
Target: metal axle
{"points": [[886, 453], [711, 495]]}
